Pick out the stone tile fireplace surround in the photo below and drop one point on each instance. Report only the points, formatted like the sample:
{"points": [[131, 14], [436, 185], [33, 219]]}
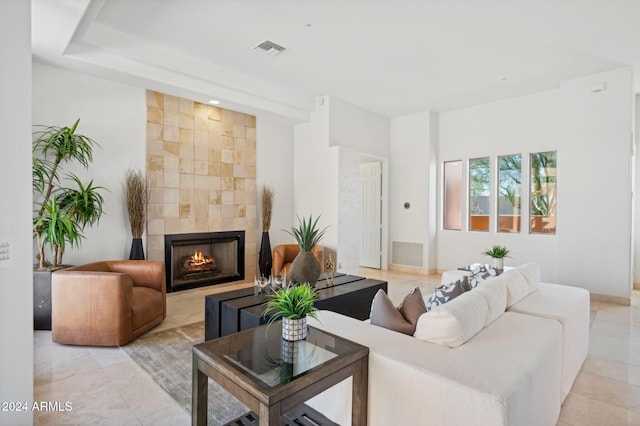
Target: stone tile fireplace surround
{"points": [[201, 173]]}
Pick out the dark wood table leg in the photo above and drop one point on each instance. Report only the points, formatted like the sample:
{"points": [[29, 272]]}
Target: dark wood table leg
{"points": [[359, 393], [199, 396], [269, 416]]}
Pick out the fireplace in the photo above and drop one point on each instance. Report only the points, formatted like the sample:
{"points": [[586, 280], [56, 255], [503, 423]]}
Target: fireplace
{"points": [[202, 259]]}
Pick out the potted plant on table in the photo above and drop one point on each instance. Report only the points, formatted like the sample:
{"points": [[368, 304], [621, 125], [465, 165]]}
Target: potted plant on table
{"points": [[306, 267], [498, 253], [293, 305], [62, 211]]}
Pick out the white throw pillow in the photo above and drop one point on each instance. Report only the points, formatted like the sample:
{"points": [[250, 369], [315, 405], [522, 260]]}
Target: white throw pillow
{"points": [[455, 322], [494, 291], [517, 286], [531, 274]]}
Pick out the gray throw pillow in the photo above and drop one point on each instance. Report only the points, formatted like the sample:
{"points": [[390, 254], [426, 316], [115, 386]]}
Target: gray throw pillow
{"points": [[413, 306], [481, 273], [445, 293], [385, 314]]}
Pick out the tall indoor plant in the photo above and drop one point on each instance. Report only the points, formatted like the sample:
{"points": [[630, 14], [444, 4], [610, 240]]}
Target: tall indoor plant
{"points": [[265, 258], [306, 267], [62, 212], [136, 196]]}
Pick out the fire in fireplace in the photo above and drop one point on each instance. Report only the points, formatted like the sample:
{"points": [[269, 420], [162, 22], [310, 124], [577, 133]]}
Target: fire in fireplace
{"points": [[197, 260]]}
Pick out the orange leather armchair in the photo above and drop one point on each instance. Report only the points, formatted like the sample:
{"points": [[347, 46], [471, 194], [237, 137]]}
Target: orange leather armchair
{"points": [[284, 254], [107, 303]]}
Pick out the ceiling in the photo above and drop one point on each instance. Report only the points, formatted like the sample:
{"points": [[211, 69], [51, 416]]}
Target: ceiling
{"points": [[390, 57]]}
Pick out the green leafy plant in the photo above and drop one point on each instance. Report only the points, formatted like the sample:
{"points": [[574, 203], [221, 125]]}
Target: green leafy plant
{"points": [[497, 251], [295, 302], [307, 233], [62, 212]]}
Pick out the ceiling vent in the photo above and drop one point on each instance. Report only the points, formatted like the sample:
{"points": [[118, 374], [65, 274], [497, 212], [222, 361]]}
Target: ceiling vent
{"points": [[270, 47]]}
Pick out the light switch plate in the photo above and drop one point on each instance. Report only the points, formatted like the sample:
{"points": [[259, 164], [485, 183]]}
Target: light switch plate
{"points": [[6, 252]]}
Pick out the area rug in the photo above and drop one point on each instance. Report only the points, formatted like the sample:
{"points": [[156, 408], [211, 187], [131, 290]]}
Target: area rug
{"points": [[167, 357]]}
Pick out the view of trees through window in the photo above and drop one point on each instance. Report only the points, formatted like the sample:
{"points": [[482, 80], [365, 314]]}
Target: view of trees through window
{"points": [[509, 187], [479, 192], [542, 204], [542, 196]]}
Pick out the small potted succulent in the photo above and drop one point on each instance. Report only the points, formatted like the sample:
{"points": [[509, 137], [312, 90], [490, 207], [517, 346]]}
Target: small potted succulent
{"points": [[292, 305], [498, 253]]}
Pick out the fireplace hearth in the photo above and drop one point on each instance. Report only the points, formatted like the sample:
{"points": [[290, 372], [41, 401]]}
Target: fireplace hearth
{"points": [[202, 259]]}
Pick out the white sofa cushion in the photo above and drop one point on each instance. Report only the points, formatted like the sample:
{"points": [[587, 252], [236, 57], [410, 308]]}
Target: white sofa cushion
{"points": [[531, 274], [570, 307], [455, 322], [517, 286], [494, 292]]}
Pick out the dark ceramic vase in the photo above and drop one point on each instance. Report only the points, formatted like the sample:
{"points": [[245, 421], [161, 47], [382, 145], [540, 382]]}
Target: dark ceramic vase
{"points": [[137, 251], [265, 259], [305, 268]]}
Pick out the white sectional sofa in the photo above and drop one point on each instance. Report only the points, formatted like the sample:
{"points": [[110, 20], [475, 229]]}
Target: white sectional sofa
{"points": [[512, 366]]}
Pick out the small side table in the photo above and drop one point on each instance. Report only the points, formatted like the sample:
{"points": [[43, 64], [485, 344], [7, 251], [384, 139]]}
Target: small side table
{"points": [[272, 376]]}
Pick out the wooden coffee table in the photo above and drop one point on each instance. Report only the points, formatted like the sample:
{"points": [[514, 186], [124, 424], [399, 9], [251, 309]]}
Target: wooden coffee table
{"points": [[237, 310], [273, 377]]}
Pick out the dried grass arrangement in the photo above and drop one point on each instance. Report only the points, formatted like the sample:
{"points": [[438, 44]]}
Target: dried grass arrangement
{"points": [[136, 201], [267, 207]]}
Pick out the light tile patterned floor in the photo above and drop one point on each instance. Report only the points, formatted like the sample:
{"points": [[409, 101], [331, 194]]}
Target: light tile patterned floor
{"points": [[105, 387]]}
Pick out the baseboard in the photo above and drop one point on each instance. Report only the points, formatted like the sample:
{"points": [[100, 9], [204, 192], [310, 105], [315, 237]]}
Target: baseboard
{"points": [[412, 270], [625, 301]]}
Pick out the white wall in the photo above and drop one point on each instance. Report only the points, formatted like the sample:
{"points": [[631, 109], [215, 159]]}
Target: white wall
{"points": [[356, 128], [16, 277], [274, 161], [112, 114], [411, 179], [636, 239], [327, 155], [591, 133], [594, 189]]}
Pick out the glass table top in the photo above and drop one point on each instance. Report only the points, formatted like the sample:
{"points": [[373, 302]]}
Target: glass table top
{"points": [[263, 356]]}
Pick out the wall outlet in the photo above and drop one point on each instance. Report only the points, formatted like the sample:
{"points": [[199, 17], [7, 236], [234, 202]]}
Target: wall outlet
{"points": [[6, 253]]}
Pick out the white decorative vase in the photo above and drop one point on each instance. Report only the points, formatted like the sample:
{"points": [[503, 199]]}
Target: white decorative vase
{"points": [[498, 263], [294, 329]]}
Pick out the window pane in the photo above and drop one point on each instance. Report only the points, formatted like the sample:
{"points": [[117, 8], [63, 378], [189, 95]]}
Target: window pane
{"points": [[543, 193], [509, 187], [479, 191], [452, 195]]}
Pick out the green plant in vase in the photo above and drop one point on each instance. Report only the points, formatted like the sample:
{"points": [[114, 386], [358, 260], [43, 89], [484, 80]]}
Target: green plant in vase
{"points": [[498, 253], [292, 305], [306, 267]]}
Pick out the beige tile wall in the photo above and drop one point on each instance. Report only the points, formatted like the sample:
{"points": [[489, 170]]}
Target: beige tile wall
{"points": [[201, 172]]}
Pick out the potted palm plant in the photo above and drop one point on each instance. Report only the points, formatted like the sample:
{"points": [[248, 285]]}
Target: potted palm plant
{"points": [[292, 305], [306, 267], [498, 253], [64, 205]]}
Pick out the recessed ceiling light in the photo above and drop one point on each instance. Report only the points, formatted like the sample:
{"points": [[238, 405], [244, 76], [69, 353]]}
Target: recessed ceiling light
{"points": [[214, 102]]}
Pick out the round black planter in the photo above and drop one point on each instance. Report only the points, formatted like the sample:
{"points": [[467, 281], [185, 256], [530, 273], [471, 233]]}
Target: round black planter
{"points": [[137, 251], [265, 259]]}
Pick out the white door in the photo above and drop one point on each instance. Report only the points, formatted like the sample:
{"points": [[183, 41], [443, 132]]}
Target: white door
{"points": [[371, 227]]}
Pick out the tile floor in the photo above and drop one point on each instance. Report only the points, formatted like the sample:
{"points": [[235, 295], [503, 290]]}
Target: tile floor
{"points": [[105, 387]]}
